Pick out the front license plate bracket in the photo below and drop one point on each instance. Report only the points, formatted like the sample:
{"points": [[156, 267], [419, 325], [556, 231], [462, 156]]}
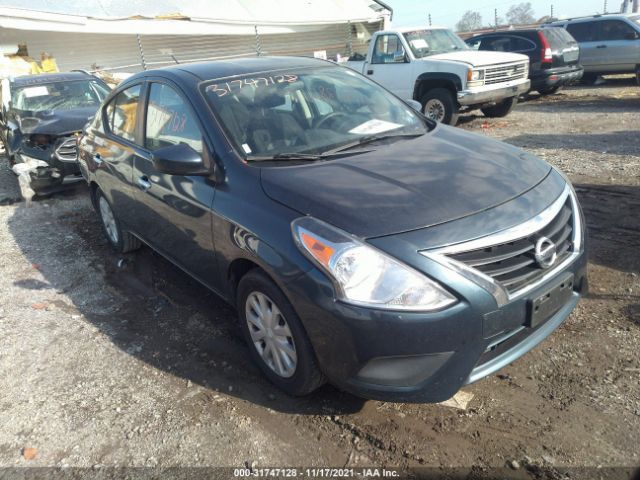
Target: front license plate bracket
{"points": [[545, 305]]}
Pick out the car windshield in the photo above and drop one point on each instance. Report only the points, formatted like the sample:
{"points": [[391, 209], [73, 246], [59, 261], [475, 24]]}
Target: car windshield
{"points": [[307, 111], [430, 42], [636, 19], [59, 96]]}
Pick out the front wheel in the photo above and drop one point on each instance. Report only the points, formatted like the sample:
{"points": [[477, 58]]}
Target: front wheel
{"points": [[121, 241], [439, 104], [501, 109], [277, 341]]}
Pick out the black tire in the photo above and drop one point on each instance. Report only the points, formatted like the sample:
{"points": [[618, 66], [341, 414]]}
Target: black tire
{"points": [[306, 377], [638, 75], [589, 78], [447, 102], [120, 240], [501, 109], [549, 90]]}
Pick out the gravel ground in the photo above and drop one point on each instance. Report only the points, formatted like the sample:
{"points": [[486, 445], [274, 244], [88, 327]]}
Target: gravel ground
{"points": [[129, 363]]}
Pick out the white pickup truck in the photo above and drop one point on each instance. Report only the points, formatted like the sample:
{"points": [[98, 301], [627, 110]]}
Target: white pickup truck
{"points": [[436, 68]]}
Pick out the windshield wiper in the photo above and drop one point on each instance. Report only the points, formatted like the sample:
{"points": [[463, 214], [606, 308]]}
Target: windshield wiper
{"points": [[307, 157], [370, 139]]}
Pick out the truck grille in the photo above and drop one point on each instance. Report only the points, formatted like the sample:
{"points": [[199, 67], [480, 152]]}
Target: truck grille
{"points": [[67, 151], [505, 73], [513, 264]]}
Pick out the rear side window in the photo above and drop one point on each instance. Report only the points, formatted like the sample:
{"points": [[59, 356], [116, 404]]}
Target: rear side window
{"points": [[170, 120], [122, 113], [507, 43], [584, 31]]}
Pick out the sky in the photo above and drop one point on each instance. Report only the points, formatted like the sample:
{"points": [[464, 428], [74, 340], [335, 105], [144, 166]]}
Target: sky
{"points": [[415, 12]]}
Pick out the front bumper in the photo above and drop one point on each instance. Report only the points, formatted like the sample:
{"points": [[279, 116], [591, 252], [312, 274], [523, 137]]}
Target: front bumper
{"points": [[470, 98], [420, 357]]}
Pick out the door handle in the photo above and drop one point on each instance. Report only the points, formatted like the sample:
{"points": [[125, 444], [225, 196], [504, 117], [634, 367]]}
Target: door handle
{"points": [[144, 183], [601, 46], [97, 159], [369, 72]]}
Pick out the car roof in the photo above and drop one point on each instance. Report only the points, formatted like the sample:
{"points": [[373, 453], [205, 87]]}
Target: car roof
{"points": [[45, 78], [414, 29], [605, 16], [506, 32], [237, 66]]}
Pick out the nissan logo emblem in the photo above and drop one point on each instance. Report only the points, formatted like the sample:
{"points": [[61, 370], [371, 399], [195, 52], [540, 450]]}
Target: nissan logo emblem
{"points": [[546, 253]]}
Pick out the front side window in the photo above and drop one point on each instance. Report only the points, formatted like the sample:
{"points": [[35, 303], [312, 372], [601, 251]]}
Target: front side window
{"points": [[616, 30], [306, 110], [56, 96], [388, 49], [122, 113], [430, 42], [496, 44], [170, 120]]}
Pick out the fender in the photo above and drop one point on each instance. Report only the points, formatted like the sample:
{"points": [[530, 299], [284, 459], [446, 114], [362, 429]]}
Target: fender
{"points": [[450, 80]]}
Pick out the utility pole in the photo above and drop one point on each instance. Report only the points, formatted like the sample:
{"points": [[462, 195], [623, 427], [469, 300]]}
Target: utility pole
{"points": [[552, 11], [605, 6], [495, 13], [429, 19]]}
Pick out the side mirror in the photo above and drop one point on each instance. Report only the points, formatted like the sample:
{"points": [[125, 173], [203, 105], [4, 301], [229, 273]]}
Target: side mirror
{"points": [[417, 106], [399, 57], [179, 159]]}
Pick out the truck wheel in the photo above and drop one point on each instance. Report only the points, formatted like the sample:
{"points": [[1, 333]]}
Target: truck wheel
{"points": [[638, 75], [501, 109], [549, 90], [439, 105], [120, 240], [277, 341]]}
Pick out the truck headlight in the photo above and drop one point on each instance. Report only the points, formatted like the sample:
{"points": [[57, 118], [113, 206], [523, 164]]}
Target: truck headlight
{"points": [[475, 78], [363, 275]]}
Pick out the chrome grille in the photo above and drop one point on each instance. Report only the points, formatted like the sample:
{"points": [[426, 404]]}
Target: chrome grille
{"points": [[513, 264], [505, 73], [67, 151]]}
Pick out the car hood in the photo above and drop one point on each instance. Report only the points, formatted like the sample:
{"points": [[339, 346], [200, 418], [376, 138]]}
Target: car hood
{"points": [[55, 122], [444, 175], [479, 58]]}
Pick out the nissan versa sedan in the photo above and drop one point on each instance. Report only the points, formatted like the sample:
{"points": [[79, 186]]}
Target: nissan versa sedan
{"points": [[361, 243]]}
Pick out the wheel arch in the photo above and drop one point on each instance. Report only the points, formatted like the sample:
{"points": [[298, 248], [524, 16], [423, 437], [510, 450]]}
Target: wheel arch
{"points": [[430, 80]]}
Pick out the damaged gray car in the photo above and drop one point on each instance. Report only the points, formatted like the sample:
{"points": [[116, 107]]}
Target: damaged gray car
{"points": [[40, 118]]}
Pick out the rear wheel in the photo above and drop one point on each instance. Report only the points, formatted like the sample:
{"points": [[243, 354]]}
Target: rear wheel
{"points": [[439, 105], [549, 90], [120, 240], [277, 341], [638, 75], [589, 78], [501, 109]]}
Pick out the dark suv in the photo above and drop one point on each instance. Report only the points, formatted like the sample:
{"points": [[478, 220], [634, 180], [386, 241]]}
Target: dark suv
{"points": [[360, 242], [553, 53]]}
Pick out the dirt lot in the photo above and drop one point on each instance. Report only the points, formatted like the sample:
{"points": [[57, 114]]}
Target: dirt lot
{"points": [[135, 364]]}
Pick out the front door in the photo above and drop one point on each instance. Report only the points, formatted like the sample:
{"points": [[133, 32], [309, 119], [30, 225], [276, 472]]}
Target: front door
{"points": [[175, 211], [389, 66]]}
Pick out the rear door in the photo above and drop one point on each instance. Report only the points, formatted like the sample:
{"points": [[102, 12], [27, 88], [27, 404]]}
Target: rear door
{"points": [[113, 143], [593, 55], [174, 211], [389, 66]]}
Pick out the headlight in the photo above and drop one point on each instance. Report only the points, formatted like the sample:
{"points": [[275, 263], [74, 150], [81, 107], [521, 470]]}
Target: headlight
{"points": [[362, 274], [475, 78]]}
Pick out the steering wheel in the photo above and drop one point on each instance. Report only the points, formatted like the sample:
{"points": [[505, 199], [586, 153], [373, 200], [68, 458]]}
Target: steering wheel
{"points": [[332, 115]]}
